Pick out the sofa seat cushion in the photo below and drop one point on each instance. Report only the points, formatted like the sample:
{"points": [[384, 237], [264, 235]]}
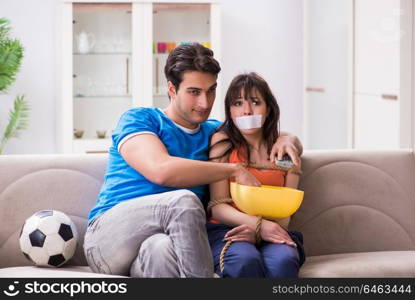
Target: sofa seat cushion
{"points": [[363, 264], [69, 271]]}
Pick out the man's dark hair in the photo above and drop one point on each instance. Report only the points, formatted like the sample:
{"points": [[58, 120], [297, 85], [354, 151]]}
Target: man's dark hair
{"points": [[189, 57]]}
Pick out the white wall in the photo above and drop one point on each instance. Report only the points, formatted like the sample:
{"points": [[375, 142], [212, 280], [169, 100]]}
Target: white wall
{"points": [[34, 23], [263, 36], [266, 36]]}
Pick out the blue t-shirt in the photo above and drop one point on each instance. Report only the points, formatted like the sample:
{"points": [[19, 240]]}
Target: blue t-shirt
{"points": [[122, 182]]}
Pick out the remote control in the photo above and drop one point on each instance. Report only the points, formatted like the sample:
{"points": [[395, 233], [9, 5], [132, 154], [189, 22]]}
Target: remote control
{"points": [[286, 162]]}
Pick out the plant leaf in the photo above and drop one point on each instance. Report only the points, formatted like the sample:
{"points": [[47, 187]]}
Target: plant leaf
{"points": [[11, 54], [18, 120], [4, 28]]}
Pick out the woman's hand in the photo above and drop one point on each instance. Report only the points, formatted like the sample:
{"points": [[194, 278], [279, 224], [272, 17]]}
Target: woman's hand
{"points": [[274, 233], [242, 233]]}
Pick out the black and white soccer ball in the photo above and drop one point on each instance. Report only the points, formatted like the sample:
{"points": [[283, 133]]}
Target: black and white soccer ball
{"points": [[48, 238]]}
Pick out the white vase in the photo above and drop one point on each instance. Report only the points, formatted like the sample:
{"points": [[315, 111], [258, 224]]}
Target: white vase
{"points": [[85, 41]]}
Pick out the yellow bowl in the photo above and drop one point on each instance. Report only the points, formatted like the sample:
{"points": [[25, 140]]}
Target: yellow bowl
{"points": [[273, 202]]}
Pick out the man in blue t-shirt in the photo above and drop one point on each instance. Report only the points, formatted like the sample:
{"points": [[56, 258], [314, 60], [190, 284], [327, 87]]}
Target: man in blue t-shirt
{"points": [[149, 220]]}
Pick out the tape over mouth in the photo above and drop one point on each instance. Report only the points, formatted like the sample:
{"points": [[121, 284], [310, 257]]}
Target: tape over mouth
{"points": [[249, 122]]}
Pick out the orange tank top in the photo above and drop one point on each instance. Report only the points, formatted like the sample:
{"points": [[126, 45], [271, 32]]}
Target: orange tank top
{"points": [[265, 177]]}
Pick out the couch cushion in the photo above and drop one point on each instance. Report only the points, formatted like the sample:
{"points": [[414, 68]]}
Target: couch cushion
{"points": [[67, 271], [357, 201], [29, 183], [365, 264]]}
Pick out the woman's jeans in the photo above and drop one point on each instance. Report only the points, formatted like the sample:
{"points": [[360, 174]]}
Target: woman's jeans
{"points": [[244, 259]]}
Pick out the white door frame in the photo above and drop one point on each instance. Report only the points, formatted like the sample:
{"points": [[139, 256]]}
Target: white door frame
{"points": [[407, 80]]}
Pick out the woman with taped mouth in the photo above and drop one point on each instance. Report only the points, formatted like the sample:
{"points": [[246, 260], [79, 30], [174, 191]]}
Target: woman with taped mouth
{"points": [[244, 245]]}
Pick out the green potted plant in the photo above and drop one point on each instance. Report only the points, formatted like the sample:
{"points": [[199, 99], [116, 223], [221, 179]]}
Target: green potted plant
{"points": [[11, 54]]}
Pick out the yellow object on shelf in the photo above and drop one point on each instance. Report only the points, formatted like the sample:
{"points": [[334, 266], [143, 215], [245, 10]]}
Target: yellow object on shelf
{"points": [[206, 44], [272, 202]]}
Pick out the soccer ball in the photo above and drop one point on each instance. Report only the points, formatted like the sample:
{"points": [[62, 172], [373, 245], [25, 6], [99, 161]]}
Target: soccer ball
{"points": [[48, 238]]}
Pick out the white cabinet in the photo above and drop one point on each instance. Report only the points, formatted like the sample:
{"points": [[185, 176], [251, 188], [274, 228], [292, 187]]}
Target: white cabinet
{"points": [[112, 58], [358, 74], [101, 62], [173, 24], [379, 36], [377, 123], [377, 43], [328, 35]]}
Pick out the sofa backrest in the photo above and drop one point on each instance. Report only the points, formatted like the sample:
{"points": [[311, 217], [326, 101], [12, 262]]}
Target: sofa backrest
{"points": [[29, 183], [357, 201]]}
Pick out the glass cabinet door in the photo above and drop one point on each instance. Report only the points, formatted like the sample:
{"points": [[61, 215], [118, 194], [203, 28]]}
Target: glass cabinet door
{"points": [[102, 47], [113, 58], [175, 24]]}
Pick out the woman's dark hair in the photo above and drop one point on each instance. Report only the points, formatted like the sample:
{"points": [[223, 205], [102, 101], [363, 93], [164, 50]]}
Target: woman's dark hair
{"points": [[189, 57], [248, 83]]}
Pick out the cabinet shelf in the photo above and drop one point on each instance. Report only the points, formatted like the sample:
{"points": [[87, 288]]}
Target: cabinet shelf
{"points": [[88, 140], [91, 145], [101, 53], [160, 94], [101, 96]]}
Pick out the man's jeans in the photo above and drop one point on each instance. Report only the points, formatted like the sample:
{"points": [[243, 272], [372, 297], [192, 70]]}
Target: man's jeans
{"points": [[161, 235]]}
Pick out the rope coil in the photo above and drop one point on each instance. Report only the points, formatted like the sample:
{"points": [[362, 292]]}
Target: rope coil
{"points": [[214, 202], [294, 170], [225, 248]]}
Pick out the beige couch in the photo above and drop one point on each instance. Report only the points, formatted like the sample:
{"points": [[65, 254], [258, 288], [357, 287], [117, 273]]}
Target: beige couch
{"points": [[358, 214]]}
